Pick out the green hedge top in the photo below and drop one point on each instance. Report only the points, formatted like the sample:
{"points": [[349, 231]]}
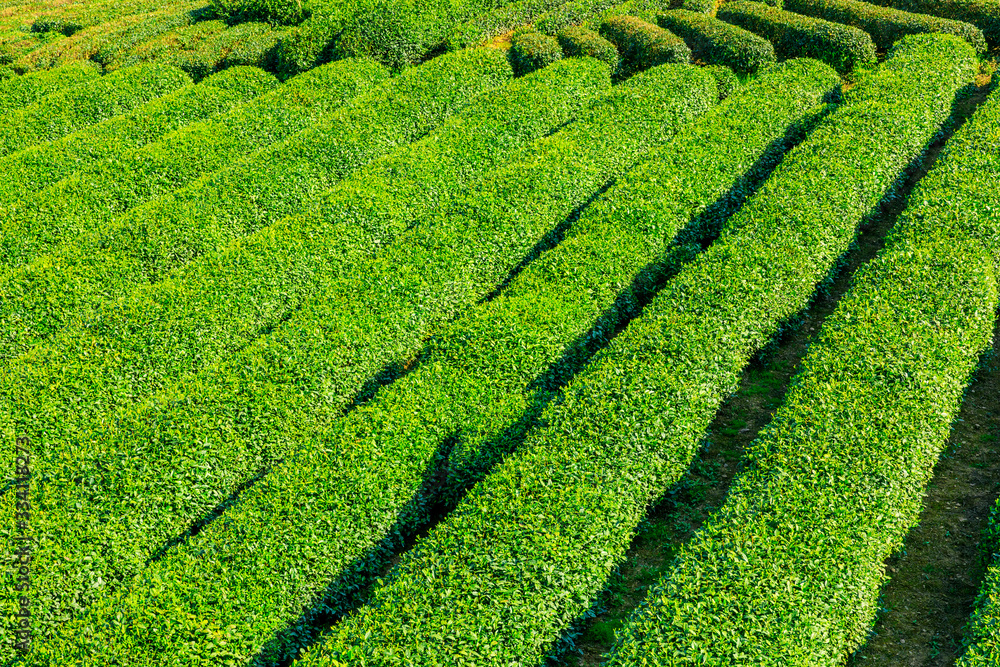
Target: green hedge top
{"points": [[715, 42], [984, 14], [842, 47], [789, 571], [577, 41], [643, 45], [41, 165], [532, 50], [69, 110], [21, 91], [885, 25]]}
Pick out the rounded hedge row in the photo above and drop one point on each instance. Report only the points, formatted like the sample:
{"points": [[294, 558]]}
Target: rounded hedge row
{"points": [[175, 337], [578, 42], [572, 13], [532, 50], [68, 110], [643, 45], [885, 25], [964, 196], [795, 36], [530, 546], [984, 14], [55, 239], [39, 166], [21, 91], [715, 42], [789, 570], [427, 254]]}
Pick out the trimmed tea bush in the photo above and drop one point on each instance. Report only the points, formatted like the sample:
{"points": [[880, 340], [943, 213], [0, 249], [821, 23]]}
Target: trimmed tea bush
{"points": [[789, 571], [532, 50], [795, 36], [715, 42], [885, 25], [643, 45], [579, 42]]}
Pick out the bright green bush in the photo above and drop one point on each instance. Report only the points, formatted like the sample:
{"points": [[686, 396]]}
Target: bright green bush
{"points": [[71, 217], [532, 50], [963, 193], [483, 373], [572, 13], [885, 25], [65, 27], [715, 42], [700, 6], [280, 12], [254, 48], [42, 165], [112, 53], [789, 571], [398, 192], [842, 47], [22, 91], [528, 548], [247, 44], [499, 20], [579, 42], [309, 44], [643, 45], [71, 109], [984, 14]]}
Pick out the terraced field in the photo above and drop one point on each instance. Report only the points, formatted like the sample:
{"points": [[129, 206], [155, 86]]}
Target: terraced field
{"points": [[481, 332]]}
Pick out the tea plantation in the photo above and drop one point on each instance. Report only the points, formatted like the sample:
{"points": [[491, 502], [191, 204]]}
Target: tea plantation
{"points": [[499, 332]]}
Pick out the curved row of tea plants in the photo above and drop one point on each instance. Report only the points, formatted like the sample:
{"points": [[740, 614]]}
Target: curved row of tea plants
{"points": [[529, 547], [21, 91], [39, 166], [974, 201], [984, 14], [385, 449], [885, 25], [65, 214], [71, 109], [789, 571], [795, 36], [87, 43], [523, 199], [716, 42], [643, 45]]}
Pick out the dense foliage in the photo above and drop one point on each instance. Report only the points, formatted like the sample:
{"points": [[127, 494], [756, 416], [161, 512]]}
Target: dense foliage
{"points": [[796, 36], [643, 45], [288, 416], [790, 569], [885, 25], [487, 377], [715, 42]]}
